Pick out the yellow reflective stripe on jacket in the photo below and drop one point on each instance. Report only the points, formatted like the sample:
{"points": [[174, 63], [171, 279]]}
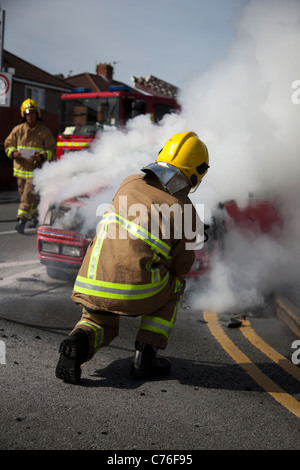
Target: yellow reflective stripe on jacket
{"points": [[22, 173], [92, 271], [178, 286], [155, 273], [10, 150], [49, 155], [98, 330], [36, 149], [112, 290], [157, 324], [91, 286], [155, 243]]}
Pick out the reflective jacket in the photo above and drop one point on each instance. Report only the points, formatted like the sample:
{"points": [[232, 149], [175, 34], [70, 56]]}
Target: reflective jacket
{"points": [[39, 139], [134, 265]]}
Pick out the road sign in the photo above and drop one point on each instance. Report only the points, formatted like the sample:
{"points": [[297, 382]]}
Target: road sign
{"points": [[5, 88]]}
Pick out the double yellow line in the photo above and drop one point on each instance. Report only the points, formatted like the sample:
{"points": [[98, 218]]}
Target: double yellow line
{"points": [[255, 373]]}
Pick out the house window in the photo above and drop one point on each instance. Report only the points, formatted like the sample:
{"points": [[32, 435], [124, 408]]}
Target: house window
{"points": [[36, 94]]}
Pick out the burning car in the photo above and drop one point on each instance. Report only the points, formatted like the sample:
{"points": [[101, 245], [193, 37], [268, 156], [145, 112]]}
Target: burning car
{"points": [[63, 239]]}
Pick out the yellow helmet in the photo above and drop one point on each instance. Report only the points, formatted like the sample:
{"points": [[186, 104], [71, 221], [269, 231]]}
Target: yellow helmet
{"points": [[28, 105], [189, 154]]}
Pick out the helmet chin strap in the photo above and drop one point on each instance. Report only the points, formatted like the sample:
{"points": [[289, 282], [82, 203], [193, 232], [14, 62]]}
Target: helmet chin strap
{"points": [[172, 179], [195, 187]]}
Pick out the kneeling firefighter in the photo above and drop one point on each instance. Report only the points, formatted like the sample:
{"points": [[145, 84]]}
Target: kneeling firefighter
{"points": [[134, 265]]}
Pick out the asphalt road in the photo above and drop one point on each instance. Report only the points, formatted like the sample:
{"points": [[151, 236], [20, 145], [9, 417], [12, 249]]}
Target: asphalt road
{"points": [[229, 389]]}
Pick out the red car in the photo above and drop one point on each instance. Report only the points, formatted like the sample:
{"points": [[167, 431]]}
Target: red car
{"points": [[62, 241]]}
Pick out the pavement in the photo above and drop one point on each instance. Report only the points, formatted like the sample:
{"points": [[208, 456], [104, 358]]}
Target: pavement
{"points": [[287, 308], [286, 305]]}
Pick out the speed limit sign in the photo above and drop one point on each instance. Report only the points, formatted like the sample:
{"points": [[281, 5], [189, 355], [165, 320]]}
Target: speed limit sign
{"points": [[5, 88]]}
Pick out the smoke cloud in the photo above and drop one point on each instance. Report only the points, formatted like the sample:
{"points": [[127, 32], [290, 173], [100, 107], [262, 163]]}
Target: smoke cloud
{"points": [[242, 109]]}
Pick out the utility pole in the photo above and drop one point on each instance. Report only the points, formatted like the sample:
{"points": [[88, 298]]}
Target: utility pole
{"points": [[2, 23], [5, 78]]}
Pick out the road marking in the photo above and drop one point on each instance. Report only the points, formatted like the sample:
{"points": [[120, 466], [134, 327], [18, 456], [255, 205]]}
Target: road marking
{"points": [[252, 370], [259, 343]]}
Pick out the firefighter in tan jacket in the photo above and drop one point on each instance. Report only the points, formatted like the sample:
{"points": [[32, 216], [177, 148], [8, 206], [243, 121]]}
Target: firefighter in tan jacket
{"points": [[29, 144], [134, 265]]}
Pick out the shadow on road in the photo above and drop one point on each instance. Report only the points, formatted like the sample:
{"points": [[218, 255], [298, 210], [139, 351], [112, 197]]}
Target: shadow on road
{"points": [[194, 374]]}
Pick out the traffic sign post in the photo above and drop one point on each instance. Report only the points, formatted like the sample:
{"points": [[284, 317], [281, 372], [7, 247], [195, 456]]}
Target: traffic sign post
{"points": [[5, 88]]}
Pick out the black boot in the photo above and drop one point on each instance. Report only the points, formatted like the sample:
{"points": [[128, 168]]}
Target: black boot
{"points": [[146, 364], [20, 227], [33, 223], [74, 352]]}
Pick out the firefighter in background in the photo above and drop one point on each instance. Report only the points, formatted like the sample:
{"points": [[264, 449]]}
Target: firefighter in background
{"points": [[130, 270], [29, 144]]}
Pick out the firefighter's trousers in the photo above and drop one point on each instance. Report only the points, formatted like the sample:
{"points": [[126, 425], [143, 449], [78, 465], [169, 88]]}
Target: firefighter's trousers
{"points": [[154, 329], [28, 207]]}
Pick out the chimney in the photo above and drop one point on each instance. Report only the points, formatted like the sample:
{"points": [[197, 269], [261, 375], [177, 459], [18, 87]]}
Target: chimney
{"points": [[106, 70]]}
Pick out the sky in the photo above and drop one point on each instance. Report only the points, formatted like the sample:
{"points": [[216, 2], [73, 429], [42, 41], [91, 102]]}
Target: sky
{"points": [[170, 39]]}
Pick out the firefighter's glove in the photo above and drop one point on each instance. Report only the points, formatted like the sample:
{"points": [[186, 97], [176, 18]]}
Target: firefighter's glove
{"points": [[206, 227]]}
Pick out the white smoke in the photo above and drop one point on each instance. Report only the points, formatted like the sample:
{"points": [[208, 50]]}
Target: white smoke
{"points": [[243, 111], [114, 156]]}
